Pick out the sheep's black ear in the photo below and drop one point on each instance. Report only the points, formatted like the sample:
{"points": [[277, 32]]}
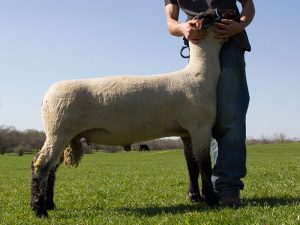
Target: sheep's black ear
{"points": [[229, 14], [210, 13], [200, 16]]}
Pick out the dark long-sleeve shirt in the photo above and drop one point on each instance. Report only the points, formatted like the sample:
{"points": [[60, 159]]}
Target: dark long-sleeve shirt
{"points": [[240, 40]]}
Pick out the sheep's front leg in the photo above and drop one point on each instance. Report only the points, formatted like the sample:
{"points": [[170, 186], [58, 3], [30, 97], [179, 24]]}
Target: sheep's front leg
{"points": [[193, 171], [201, 149], [208, 193]]}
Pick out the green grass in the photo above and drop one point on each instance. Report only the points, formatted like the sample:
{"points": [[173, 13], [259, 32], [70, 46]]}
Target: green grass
{"points": [[150, 188]]}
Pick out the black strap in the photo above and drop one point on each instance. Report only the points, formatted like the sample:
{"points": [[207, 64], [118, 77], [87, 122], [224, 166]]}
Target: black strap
{"points": [[185, 46]]}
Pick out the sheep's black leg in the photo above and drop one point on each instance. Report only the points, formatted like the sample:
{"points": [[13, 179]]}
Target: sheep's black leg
{"points": [[38, 182], [208, 193], [193, 171], [43, 169], [49, 189], [200, 137], [37, 197]]}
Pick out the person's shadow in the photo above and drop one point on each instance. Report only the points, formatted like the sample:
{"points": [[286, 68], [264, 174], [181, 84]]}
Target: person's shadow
{"points": [[184, 208], [271, 201]]}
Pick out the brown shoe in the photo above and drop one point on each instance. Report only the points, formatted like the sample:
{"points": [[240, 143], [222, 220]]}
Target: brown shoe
{"points": [[230, 199]]}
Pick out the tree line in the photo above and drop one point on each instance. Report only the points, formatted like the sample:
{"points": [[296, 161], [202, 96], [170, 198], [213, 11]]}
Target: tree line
{"points": [[276, 138], [156, 144], [19, 142], [13, 140]]}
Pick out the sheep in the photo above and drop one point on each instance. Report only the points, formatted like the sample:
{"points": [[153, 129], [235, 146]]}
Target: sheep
{"points": [[103, 110]]}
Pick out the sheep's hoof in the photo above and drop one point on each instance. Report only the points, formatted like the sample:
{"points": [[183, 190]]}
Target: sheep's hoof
{"points": [[50, 205], [195, 197], [41, 213], [211, 199]]}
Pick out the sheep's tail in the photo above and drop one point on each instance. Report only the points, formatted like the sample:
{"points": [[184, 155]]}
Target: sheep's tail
{"points": [[73, 153]]}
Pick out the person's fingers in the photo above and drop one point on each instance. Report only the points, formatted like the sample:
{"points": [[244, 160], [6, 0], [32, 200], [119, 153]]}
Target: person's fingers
{"points": [[226, 21], [221, 25], [192, 23], [219, 31], [198, 24]]}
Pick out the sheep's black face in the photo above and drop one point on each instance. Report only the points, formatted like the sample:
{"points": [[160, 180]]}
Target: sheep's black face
{"points": [[212, 16]]}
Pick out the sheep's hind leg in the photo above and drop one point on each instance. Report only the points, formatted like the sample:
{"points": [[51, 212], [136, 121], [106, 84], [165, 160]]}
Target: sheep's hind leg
{"points": [[201, 149], [193, 171], [43, 174], [38, 184], [49, 191]]}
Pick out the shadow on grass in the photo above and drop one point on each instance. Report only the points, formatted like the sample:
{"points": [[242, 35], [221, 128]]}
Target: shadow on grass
{"points": [[141, 211], [154, 210], [173, 209], [188, 208], [271, 201]]}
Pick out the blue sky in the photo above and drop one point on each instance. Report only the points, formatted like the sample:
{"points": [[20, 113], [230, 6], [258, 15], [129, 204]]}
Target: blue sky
{"points": [[42, 42]]}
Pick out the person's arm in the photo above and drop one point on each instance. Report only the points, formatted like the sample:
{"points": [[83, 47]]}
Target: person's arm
{"points": [[248, 12], [186, 29], [228, 28]]}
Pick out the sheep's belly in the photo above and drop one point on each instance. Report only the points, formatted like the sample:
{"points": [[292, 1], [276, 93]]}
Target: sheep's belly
{"points": [[100, 136]]}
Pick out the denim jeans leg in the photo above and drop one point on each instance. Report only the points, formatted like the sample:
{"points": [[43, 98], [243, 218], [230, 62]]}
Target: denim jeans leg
{"points": [[230, 127]]}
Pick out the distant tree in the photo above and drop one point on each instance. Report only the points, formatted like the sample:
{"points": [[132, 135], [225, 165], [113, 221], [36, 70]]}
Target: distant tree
{"points": [[279, 137], [10, 138], [157, 144], [20, 150], [161, 144], [2, 151], [265, 139], [33, 138]]}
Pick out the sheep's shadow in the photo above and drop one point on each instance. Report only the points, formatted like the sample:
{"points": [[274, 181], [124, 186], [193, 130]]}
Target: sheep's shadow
{"points": [[181, 208], [150, 211], [185, 208]]}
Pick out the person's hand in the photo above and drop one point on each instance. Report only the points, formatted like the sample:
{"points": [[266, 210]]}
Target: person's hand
{"points": [[192, 32], [226, 29]]}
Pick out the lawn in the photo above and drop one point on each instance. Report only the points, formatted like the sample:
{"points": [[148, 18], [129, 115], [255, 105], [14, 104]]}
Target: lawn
{"points": [[150, 188]]}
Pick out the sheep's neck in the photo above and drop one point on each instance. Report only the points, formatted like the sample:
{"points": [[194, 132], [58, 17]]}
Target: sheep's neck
{"points": [[204, 57]]}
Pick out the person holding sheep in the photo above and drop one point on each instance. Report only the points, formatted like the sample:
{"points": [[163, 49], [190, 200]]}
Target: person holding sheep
{"points": [[232, 94]]}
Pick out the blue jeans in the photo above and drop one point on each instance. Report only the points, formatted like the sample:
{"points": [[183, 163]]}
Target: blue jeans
{"points": [[230, 126]]}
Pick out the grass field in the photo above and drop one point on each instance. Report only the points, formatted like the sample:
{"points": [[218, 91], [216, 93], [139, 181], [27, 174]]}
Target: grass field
{"points": [[150, 188]]}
